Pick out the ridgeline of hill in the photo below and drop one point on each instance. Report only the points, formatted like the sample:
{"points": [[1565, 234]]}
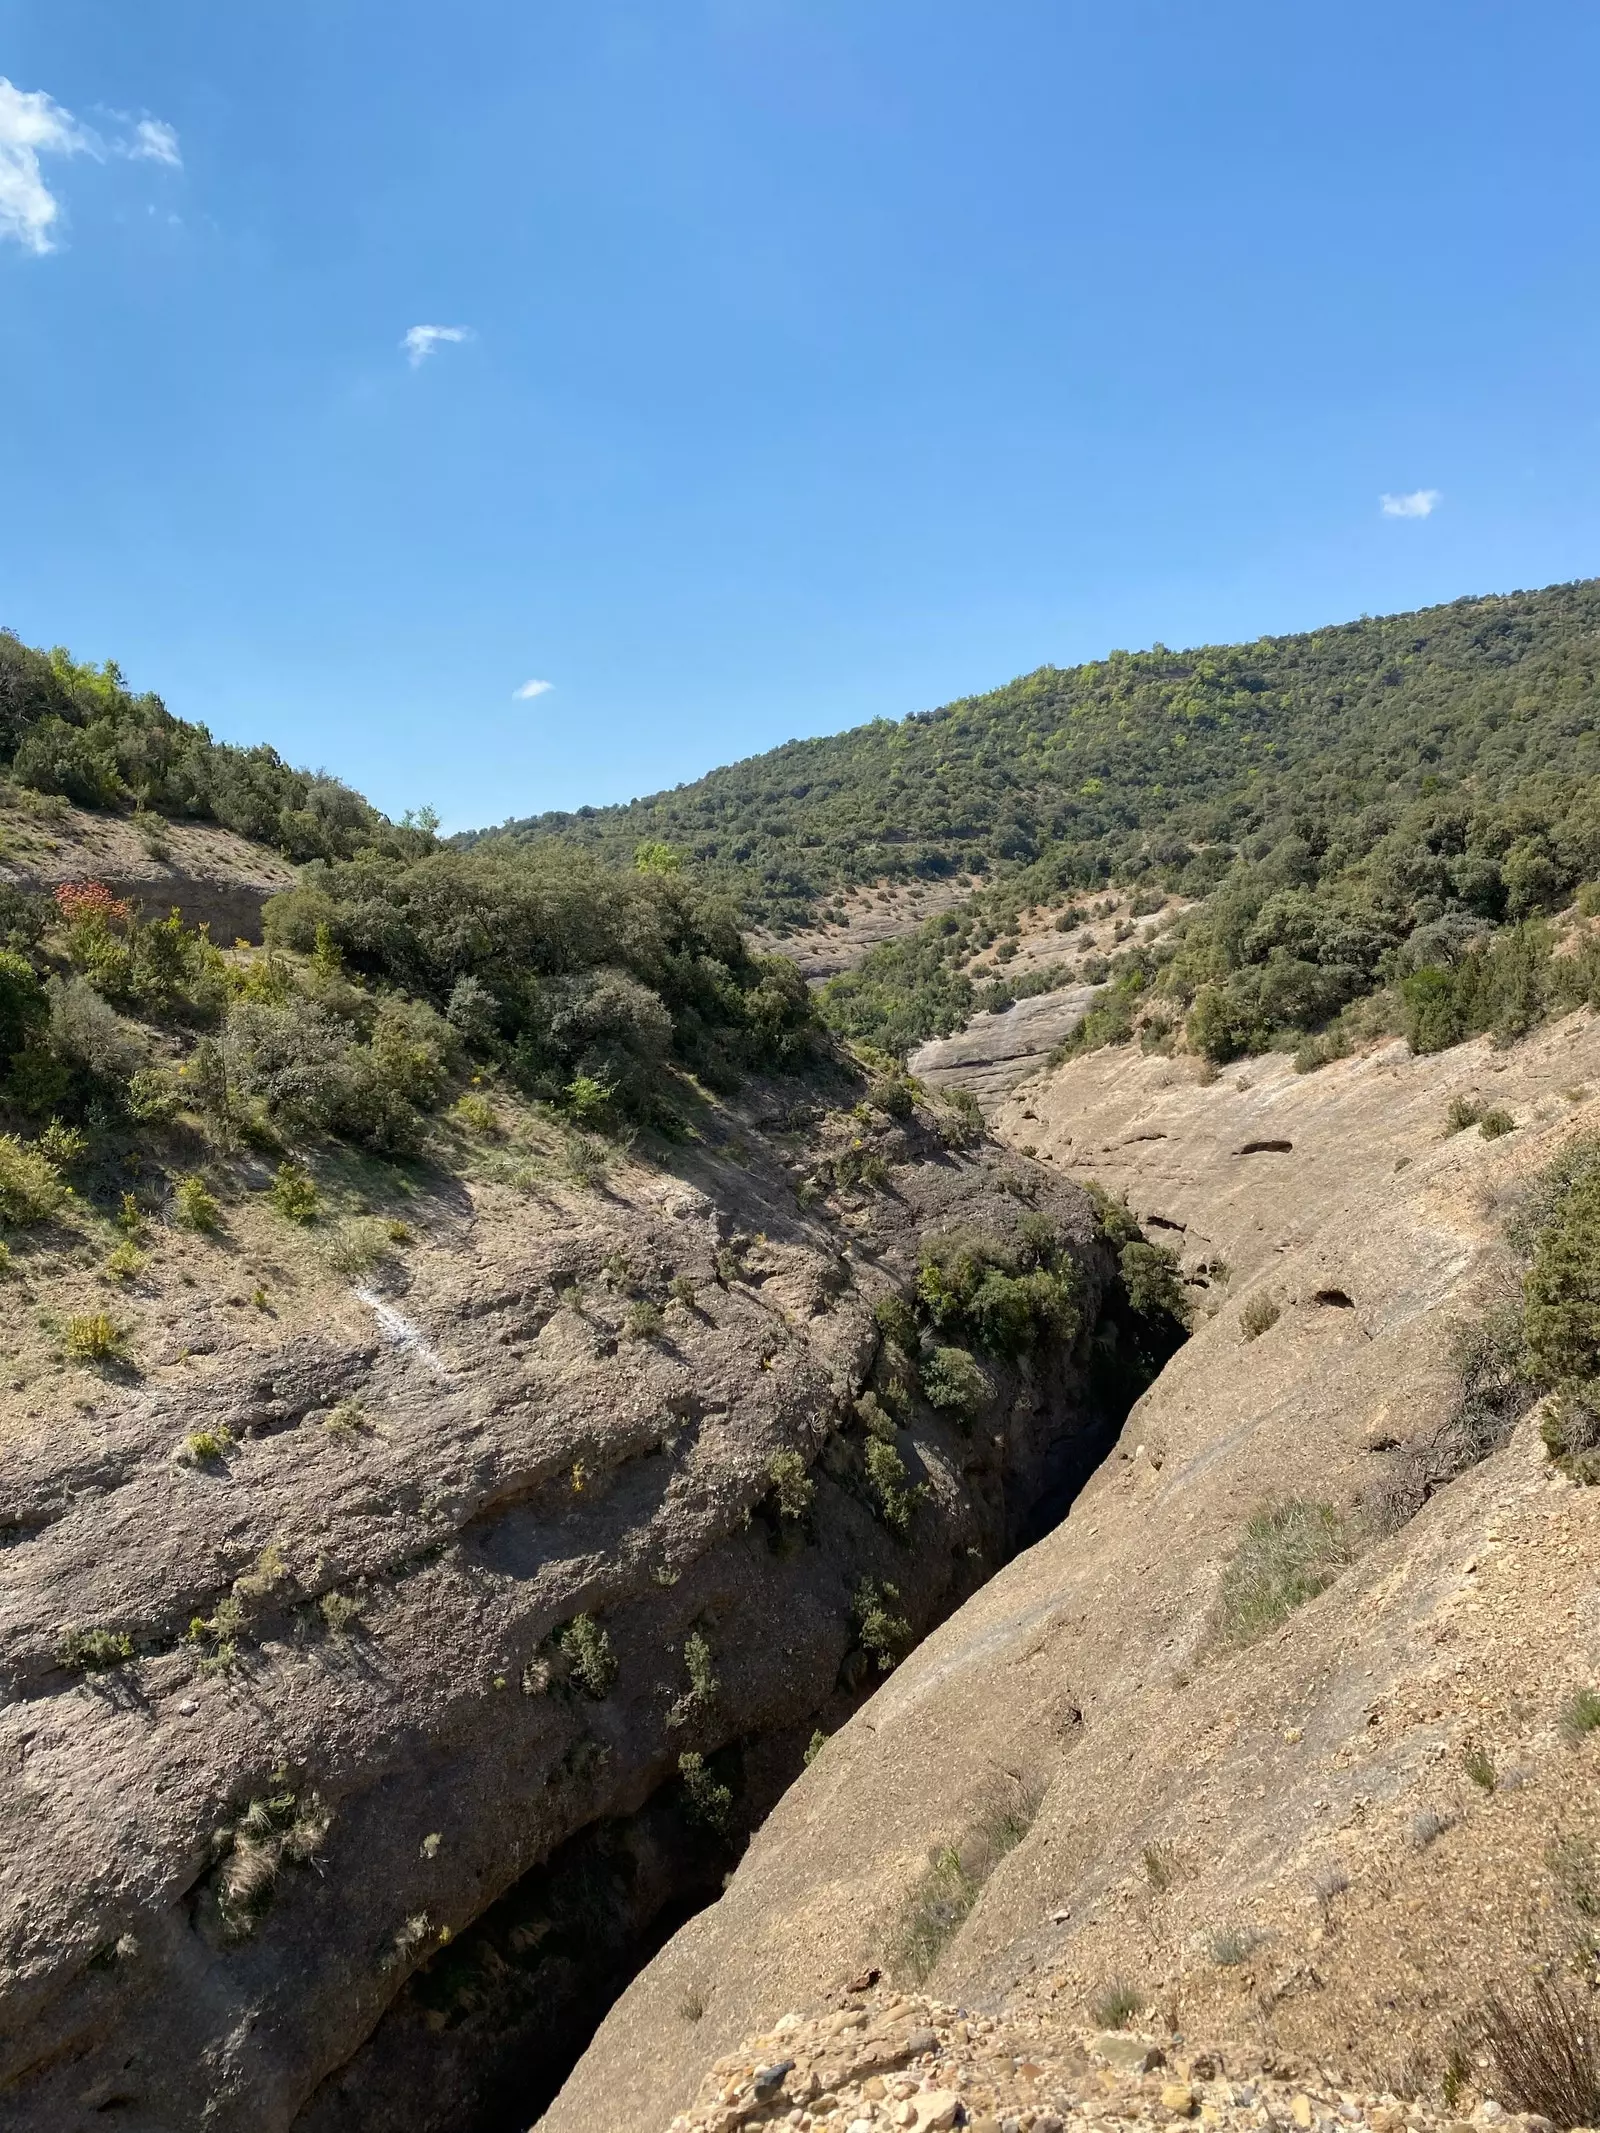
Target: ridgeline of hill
{"points": [[1137, 759]]}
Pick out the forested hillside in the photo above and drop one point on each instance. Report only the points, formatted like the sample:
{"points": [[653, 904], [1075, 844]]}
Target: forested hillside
{"points": [[1144, 757], [78, 731]]}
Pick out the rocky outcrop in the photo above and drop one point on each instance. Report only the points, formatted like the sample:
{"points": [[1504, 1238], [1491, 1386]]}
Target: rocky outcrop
{"points": [[994, 1052], [1330, 1838], [366, 1699], [866, 918]]}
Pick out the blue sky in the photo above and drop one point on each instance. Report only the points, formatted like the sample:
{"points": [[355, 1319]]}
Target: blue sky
{"points": [[820, 359]]}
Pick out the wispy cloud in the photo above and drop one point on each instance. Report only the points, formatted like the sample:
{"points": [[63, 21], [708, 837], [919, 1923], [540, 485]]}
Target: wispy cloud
{"points": [[531, 689], [1416, 503], [420, 342], [33, 124], [154, 141]]}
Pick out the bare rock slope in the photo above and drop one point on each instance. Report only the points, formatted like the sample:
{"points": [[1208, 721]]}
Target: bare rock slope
{"points": [[365, 1688], [1329, 1839]]}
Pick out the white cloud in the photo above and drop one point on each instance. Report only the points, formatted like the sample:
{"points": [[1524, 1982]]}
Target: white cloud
{"points": [[529, 690], [1418, 503], [154, 141], [421, 341], [33, 124]]}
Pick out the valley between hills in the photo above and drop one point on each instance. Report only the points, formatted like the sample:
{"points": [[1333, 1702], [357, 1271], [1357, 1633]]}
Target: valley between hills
{"points": [[925, 1411]]}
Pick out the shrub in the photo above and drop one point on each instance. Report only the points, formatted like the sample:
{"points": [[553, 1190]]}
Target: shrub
{"points": [[952, 1380], [1496, 1123], [586, 1648], [1570, 1428], [1544, 2043], [963, 1123], [90, 1040], [64, 1145], [642, 1321], [341, 1612], [477, 1115], [881, 1632], [793, 1489], [706, 1799], [1229, 1946], [699, 1664], [894, 1095], [1461, 1112], [897, 1495], [1117, 2006], [94, 1651], [896, 1321], [96, 1337], [1580, 1715], [194, 1205], [31, 1187], [815, 1746], [1288, 1554], [151, 1098], [1258, 1314], [588, 1099], [682, 1291], [1151, 1277], [24, 1003], [293, 1194]]}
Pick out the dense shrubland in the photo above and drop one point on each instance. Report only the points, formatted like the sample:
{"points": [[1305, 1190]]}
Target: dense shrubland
{"points": [[393, 992], [1173, 764], [78, 731], [1390, 856]]}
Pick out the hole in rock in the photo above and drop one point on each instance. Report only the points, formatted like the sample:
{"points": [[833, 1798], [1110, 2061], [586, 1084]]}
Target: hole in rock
{"points": [[1265, 1148], [1336, 1297]]}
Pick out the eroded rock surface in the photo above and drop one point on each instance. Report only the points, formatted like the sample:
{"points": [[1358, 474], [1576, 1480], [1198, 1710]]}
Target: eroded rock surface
{"points": [[1332, 1839], [345, 1724]]}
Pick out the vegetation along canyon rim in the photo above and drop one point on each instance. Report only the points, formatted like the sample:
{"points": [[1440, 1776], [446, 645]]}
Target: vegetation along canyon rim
{"points": [[903, 1438]]}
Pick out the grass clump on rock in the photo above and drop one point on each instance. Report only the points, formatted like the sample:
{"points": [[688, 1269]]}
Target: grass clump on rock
{"points": [[1259, 1314], [1117, 2006], [95, 1651], [1288, 1553], [95, 1337]]}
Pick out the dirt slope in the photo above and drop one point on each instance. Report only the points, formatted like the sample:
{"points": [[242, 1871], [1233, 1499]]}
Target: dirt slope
{"points": [[1285, 1841], [210, 875]]}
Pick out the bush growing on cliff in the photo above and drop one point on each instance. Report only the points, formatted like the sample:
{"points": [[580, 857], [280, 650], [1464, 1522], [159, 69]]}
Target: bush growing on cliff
{"points": [[953, 1380], [590, 1661], [707, 1800], [1001, 1296], [891, 1484], [881, 1632], [793, 1489]]}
